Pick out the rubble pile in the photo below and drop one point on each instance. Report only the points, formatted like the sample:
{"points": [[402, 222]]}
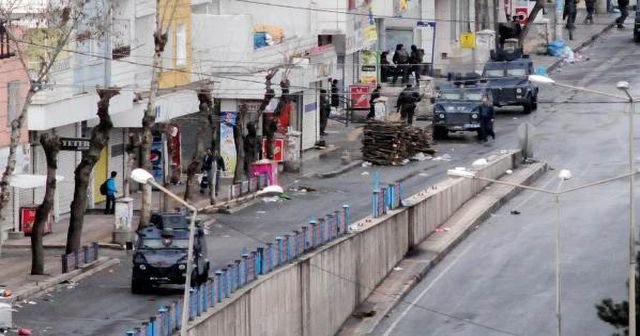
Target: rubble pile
{"points": [[391, 143]]}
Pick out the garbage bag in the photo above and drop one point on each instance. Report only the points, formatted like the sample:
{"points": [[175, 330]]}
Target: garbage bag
{"points": [[556, 48]]}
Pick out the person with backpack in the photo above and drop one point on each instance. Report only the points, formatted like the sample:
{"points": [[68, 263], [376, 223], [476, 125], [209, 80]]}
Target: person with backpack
{"points": [[110, 189], [401, 60]]}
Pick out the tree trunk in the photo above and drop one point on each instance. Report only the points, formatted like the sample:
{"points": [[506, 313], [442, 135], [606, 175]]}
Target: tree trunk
{"points": [[149, 118], [82, 174], [215, 144], [204, 124], [16, 129], [132, 145], [51, 145], [238, 137], [534, 13]]}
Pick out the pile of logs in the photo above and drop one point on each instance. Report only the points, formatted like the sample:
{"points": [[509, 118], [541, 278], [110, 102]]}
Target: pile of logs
{"points": [[391, 143]]}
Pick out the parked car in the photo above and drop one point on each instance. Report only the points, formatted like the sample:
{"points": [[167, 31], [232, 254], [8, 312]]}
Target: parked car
{"points": [[456, 106], [160, 256]]}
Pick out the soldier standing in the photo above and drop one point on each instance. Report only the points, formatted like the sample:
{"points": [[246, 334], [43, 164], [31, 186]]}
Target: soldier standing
{"points": [[486, 120]]}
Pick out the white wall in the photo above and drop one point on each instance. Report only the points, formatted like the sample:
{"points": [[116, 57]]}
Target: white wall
{"points": [[295, 22]]}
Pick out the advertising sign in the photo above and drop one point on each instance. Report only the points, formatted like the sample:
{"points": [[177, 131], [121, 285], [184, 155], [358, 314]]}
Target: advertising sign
{"points": [[74, 144], [157, 158], [468, 40], [278, 149], [360, 96], [227, 142], [368, 67]]}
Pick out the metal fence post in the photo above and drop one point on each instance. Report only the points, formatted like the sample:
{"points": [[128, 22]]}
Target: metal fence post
{"points": [[245, 268], [314, 233], [305, 238], [218, 282], [260, 261], [289, 246], [279, 246], [347, 218], [239, 274]]}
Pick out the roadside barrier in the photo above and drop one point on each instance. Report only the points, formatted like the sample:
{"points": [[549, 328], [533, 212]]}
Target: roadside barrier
{"points": [[226, 281], [72, 261]]}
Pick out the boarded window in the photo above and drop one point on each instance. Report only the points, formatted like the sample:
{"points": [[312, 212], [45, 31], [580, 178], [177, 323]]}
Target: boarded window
{"points": [[13, 101]]}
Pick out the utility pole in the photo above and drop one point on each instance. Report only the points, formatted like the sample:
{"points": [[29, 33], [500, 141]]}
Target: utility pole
{"points": [[496, 24], [557, 20]]}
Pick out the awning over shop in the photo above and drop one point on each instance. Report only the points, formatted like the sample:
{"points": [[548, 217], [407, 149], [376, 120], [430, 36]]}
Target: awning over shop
{"points": [[26, 181]]}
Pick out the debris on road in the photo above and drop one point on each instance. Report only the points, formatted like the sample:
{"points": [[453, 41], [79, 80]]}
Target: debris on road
{"points": [[364, 173], [421, 157], [445, 157], [509, 172], [479, 163], [390, 143], [515, 212]]}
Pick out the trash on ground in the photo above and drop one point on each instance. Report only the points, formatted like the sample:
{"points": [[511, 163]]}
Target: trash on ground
{"points": [[364, 173], [515, 212], [261, 212], [423, 174], [24, 332], [362, 315], [398, 268], [272, 199], [404, 162], [366, 164], [445, 157], [480, 163], [271, 190], [33, 303], [303, 188], [421, 157], [509, 172]]}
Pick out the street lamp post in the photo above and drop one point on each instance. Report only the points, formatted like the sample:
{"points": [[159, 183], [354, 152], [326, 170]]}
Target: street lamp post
{"points": [[144, 177], [625, 87]]}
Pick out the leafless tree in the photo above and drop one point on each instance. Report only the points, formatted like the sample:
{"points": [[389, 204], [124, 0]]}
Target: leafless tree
{"points": [[50, 143], [38, 35], [82, 174], [204, 125], [160, 38]]}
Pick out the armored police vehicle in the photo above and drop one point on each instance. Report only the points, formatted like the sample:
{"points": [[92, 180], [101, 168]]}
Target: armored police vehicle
{"points": [[160, 256], [507, 75], [456, 106]]}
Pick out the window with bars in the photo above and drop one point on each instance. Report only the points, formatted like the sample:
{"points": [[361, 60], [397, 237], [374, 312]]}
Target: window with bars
{"points": [[13, 101]]}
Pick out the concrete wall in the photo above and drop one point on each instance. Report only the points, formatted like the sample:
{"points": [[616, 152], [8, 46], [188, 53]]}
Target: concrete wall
{"points": [[317, 293]]}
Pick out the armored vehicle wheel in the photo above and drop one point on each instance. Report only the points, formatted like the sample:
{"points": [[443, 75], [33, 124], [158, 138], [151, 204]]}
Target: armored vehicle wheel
{"points": [[534, 105], [439, 133], [138, 287], [528, 107]]}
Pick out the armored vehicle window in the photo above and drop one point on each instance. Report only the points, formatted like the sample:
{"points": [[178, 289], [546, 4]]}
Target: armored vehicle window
{"points": [[475, 95], [516, 72], [494, 73], [451, 95], [165, 244]]}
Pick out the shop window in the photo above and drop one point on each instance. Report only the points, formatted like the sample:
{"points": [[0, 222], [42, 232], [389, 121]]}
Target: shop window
{"points": [[351, 4]]}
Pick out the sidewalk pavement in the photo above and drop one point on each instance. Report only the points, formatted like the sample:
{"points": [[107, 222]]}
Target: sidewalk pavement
{"points": [[583, 35]]}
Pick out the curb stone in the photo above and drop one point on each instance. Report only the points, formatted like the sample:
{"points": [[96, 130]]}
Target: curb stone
{"points": [[47, 285]]}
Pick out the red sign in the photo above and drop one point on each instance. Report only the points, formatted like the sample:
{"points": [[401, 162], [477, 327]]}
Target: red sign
{"points": [[28, 217], [278, 149], [522, 14], [360, 95]]}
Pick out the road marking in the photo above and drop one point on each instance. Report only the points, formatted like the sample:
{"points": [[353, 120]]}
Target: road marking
{"points": [[415, 301]]}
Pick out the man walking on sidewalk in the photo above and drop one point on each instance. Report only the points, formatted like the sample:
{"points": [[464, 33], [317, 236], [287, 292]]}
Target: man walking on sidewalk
{"points": [[591, 8], [624, 12], [111, 192]]}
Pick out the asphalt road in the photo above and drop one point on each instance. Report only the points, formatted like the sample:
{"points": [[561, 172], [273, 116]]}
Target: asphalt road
{"points": [[500, 280], [103, 305]]}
